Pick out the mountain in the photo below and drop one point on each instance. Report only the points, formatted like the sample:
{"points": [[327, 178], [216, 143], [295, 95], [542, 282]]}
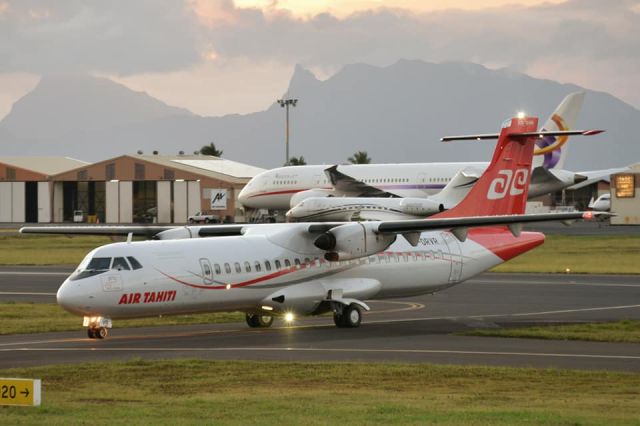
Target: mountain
{"points": [[395, 113], [63, 105]]}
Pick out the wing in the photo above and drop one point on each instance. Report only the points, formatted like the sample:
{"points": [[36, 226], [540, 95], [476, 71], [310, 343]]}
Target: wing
{"points": [[352, 187], [154, 232], [354, 240]]}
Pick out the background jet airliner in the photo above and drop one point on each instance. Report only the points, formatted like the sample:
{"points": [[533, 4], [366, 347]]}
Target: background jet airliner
{"points": [[302, 268], [285, 187]]}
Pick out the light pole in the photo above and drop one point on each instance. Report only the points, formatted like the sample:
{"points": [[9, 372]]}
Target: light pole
{"points": [[284, 103]]}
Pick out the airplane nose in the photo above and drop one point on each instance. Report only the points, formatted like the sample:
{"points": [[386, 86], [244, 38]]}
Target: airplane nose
{"points": [[68, 297]]}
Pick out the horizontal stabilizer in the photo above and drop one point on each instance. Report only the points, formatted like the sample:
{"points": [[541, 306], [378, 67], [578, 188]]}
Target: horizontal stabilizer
{"points": [[540, 134]]}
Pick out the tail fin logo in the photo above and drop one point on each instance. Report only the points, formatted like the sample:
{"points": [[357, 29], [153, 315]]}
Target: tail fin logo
{"points": [[507, 182]]}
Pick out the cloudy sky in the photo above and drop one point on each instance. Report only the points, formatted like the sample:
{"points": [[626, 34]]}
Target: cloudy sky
{"points": [[223, 56]]}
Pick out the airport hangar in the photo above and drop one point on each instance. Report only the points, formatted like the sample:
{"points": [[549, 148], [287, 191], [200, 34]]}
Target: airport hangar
{"points": [[124, 189]]}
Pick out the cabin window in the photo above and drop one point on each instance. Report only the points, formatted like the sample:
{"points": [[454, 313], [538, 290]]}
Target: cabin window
{"points": [[247, 267], [278, 265], [238, 268], [297, 261], [258, 266], [267, 265], [287, 263], [119, 263], [217, 269], [227, 268], [405, 256], [134, 263], [307, 261]]}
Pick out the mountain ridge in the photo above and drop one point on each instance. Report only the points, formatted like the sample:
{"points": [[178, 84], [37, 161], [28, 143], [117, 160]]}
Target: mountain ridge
{"points": [[396, 113]]}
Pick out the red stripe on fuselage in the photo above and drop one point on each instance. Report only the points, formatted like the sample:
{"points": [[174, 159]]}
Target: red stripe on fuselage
{"points": [[241, 284], [502, 242]]}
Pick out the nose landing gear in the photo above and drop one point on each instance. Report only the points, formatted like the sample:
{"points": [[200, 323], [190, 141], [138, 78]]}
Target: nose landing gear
{"points": [[98, 327], [97, 333]]}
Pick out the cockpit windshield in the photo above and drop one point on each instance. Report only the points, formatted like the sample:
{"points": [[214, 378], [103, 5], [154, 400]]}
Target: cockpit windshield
{"points": [[98, 265]]}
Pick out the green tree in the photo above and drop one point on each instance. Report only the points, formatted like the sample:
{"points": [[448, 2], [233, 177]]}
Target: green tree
{"points": [[211, 150], [360, 157], [296, 161]]}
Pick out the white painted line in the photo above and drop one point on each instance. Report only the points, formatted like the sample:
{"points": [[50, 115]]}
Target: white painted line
{"points": [[338, 350], [62, 274], [523, 314], [570, 283], [17, 293]]}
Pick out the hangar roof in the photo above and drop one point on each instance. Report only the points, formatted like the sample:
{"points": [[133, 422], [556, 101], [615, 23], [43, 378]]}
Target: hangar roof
{"points": [[204, 164], [46, 165]]}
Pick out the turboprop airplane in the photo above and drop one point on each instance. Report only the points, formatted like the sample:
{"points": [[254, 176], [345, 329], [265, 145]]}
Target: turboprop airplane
{"points": [[290, 269], [285, 187]]}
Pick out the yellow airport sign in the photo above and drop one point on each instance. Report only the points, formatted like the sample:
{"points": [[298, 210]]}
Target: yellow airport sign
{"points": [[19, 391]]}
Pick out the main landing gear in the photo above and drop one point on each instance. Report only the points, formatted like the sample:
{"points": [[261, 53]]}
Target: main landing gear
{"points": [[347, 316], [259, 321]]}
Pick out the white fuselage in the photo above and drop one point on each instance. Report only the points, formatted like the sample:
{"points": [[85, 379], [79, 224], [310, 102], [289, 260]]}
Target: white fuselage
{"points": [[273, 189], [248, 273]]}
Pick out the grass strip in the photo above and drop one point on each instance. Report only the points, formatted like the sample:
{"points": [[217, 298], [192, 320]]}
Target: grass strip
{"points": [[580, 254], [271, 393], [624, 331], [19, 318]]}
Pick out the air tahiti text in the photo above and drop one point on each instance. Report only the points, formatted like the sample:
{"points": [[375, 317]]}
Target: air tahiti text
{"points": [[147, 297]]}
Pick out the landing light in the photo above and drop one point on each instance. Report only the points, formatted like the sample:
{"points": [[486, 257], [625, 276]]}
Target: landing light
{"points": [[288, 317], [521, 114], [228, 286], [267, 308]]}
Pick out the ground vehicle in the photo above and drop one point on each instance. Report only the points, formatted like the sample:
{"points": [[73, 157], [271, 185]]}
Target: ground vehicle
{"points": [[205, 217]]}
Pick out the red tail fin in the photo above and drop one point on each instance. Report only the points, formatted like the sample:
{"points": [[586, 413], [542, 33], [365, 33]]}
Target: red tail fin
{"points": [[504, 186]]}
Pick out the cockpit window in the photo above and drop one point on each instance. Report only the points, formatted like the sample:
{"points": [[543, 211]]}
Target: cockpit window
{"points": [[99, 264], [134, 263], [119, 263], [96, 266]]}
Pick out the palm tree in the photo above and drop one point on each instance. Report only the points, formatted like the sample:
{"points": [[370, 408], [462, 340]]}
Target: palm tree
{"points": [[293, 161], [360, 157], [211, 150]]}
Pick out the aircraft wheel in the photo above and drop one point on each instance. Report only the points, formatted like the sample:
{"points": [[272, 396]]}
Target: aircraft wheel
{"points": [[259, 321], [351, 317], [102, 332], [265, 320]]}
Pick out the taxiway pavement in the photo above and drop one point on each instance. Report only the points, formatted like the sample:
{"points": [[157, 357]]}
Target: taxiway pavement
{"points": [[419, 329]]}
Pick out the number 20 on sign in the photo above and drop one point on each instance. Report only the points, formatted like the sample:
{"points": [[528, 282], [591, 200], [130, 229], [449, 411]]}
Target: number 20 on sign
{"points": [[20, 392]]}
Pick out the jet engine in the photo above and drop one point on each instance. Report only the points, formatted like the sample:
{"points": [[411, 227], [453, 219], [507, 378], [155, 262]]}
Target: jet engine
{"points": [[420, 206], [352, 241], [303, 195]]}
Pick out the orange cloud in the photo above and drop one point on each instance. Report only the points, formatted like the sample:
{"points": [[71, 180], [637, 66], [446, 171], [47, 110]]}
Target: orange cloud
{"points": [[343, 8]]}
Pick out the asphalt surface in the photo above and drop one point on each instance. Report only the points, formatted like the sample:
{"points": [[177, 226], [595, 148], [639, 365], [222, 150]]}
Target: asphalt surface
{"points": [[404, 330]]}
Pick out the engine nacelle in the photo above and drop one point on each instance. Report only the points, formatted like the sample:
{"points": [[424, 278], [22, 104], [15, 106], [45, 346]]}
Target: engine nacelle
{"points": [[420, 206], [353, 241], [303, 195]]}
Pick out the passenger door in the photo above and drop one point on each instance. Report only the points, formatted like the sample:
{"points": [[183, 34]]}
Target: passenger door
{"points": [[455, 256], [207, 271]]}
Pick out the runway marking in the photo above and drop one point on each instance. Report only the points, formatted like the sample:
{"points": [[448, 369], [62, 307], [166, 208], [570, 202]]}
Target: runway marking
{"points": [[413, 306], [17, 293], [338, 350], [522, 314], [64, 274], [571, 283]]}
